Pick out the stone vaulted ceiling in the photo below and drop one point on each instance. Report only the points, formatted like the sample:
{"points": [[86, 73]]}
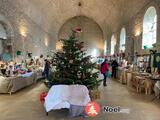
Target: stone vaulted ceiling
{"points": [[52, 14]]}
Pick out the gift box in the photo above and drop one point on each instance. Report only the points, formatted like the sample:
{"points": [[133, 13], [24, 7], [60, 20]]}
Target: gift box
{"points": [[42, 96]]}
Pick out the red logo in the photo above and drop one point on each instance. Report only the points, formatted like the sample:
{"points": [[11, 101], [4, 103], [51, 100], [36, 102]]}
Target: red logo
{"points": [[92, 109]]}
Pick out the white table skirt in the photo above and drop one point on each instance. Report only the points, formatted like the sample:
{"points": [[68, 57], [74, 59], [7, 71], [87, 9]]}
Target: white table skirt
{"points": [[63, 96]]}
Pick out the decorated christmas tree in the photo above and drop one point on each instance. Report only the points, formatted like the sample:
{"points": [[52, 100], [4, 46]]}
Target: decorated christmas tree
{"points": [[73, 65]]}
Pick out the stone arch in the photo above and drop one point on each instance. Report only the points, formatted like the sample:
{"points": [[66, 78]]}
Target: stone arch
{"points": [[92, 33]]}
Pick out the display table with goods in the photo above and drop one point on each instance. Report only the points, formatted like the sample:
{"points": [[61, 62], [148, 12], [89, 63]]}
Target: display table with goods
{"points": [[19, 81], [141, 81], [144, 82], [4, 83], [13, 84], [74, 80]]}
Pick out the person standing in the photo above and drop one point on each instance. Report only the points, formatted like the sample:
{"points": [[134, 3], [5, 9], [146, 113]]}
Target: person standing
{"points": [[10, 71], [42, 62], [114, 68], [47, 69], [104, 69]]}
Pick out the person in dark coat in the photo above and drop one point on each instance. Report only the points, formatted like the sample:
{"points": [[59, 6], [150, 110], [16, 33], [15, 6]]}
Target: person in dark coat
{"points": [[47, 69], [114, 68]]}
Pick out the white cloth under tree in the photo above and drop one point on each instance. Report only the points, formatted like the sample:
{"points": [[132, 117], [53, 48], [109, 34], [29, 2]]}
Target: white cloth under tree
{"points": [[64, 96]]}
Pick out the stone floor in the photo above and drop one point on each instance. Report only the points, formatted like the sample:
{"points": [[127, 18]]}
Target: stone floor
{"points": [[25, 105]]}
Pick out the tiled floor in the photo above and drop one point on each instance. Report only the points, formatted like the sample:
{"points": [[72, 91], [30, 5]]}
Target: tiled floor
{"points": [[25, 105]]}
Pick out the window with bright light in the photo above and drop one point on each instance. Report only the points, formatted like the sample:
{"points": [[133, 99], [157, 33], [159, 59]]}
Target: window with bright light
{"points": [[94, 53], [3, 36], [149, 28], [113, 44], [122, 39], [105, 47], [1, 47]]}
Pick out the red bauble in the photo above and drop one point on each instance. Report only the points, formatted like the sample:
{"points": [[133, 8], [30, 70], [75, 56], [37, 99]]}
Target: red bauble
{"points": [[79, 45], [78, 30], [9, 48]]}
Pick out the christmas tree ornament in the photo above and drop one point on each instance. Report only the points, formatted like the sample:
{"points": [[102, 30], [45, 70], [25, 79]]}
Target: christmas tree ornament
{"points": [[19, 53], [78, 30], [71, 61]]}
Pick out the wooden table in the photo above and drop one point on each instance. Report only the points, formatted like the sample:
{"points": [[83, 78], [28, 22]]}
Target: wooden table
{"points": [[129, 78], [139, 83], [154, 80], [144, 82], [149, 85]]}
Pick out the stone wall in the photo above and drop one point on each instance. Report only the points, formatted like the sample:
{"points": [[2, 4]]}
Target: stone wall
{"points": [[27, 34], [135, 26], [91, 35], [23, 33]]}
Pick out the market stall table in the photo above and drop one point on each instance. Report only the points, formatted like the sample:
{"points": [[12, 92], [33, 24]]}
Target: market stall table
{"points": [[17, 83]]}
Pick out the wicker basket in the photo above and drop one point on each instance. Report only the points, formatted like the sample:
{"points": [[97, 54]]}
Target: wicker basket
{"points": [[94, 94]]}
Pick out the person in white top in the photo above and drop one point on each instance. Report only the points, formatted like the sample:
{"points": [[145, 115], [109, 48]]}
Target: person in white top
{"points": [[124, 63], [10, 71], [41, 61]]}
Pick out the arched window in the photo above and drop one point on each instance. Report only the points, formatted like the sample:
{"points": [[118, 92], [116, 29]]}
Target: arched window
{"points": [[105, 47], [149, 28], [1, 47], [3, 36], [122, 39], [113, 44]]}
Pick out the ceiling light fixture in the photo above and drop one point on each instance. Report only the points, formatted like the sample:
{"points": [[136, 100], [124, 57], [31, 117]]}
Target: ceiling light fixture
{"points": [[78, 29], [79, 4]]}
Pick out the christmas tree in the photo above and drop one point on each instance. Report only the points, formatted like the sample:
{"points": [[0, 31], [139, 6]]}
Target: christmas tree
{"points": [[73, 65]]}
